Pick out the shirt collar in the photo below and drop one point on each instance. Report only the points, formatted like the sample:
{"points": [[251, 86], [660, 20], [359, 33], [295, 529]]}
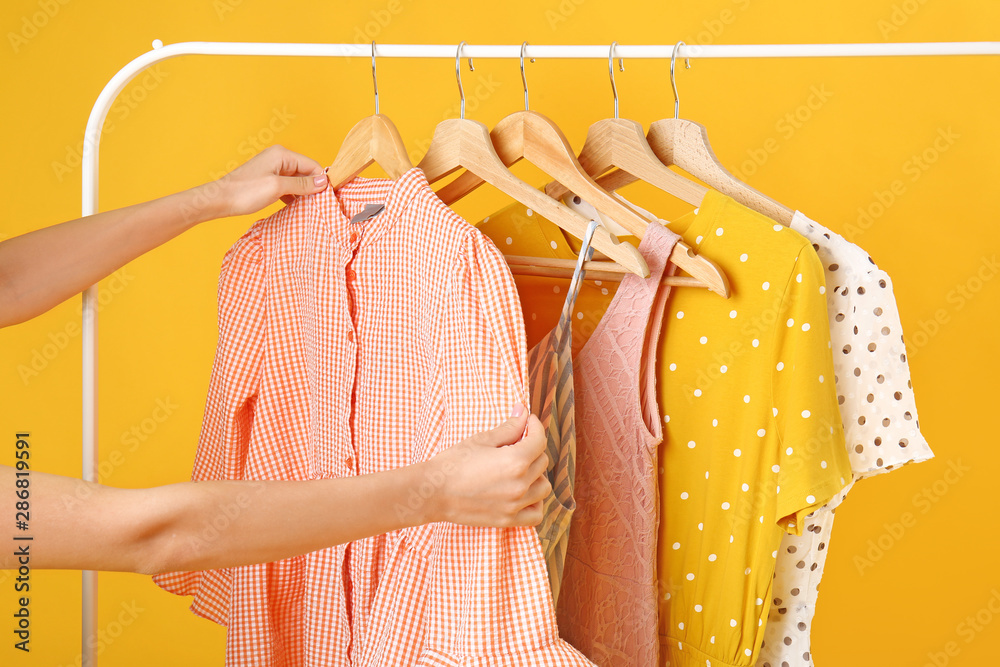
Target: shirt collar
{"points": [[337, 206]]}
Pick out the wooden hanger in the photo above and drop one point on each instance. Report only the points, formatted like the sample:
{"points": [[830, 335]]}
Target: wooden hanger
{"points": [[617, 142], [530, 135], [685, 143], [464, 143], [373, 140]]}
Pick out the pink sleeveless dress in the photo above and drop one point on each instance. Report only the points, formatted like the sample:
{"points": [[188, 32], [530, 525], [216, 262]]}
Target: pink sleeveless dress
{"points": [[607, 608]]}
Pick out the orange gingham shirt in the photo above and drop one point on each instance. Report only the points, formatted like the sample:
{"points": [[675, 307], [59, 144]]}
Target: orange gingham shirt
{"points": [[351, 348]]}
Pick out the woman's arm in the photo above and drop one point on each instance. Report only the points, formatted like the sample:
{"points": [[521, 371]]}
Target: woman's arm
{"points": [[81, 525], [484, 480], [41, 269]]}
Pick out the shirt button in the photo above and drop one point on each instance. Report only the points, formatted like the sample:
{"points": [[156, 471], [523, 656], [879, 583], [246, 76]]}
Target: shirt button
{"points": [[351, 274], [354, 238], [350, 462], [350, 336]]}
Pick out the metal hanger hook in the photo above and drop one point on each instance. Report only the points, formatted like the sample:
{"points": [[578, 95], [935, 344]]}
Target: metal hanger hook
{"points": [[611, 72], [524, 80], [458, 75], [673, 81], [374, 77]]}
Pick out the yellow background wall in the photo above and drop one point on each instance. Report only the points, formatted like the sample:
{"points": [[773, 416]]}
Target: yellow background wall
{"points": [[892, 595]]}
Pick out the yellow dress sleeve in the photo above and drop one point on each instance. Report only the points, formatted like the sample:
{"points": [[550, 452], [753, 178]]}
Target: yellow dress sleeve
{"points": [[812, 462]]}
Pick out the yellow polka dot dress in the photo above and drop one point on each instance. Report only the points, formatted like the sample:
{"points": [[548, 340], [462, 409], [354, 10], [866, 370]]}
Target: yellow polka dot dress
{"points": [[754, 438]]}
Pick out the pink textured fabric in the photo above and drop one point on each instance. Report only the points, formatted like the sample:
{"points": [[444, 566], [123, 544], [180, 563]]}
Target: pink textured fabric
{"points": [[608, 606]]}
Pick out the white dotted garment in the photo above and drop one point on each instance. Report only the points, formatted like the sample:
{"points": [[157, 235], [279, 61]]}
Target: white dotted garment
{"points": [[880, 424]]}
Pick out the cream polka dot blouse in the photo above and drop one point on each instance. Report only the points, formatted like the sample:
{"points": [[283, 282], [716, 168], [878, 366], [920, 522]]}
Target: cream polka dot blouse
{"points": [[879, 412], [873, 379]]}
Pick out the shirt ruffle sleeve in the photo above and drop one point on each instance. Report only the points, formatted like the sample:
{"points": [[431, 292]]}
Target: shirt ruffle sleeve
{"points": [[229, 407]]}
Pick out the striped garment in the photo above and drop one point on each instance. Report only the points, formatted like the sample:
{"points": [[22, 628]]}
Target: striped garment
{"points": [[550, 379]]}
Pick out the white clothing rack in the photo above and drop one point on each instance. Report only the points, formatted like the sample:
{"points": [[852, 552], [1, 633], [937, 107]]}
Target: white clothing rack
{"points": [[160, 53]]}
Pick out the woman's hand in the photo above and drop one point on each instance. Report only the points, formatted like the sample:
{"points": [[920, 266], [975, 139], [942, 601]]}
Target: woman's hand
{"points": [[274, 173], [494, 478], [47, 266]]}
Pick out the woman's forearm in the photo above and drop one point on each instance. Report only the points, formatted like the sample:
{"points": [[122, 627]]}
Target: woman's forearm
{"points": [[492, 478], [41, 269], [200, 525], [267, 521]]}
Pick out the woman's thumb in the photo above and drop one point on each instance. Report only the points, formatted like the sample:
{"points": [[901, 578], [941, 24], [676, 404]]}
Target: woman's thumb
{"points": [[510, 431], [302, 185]]}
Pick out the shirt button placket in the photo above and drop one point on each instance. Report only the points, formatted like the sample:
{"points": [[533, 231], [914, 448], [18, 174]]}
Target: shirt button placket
{"points": [[350, 276]]}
